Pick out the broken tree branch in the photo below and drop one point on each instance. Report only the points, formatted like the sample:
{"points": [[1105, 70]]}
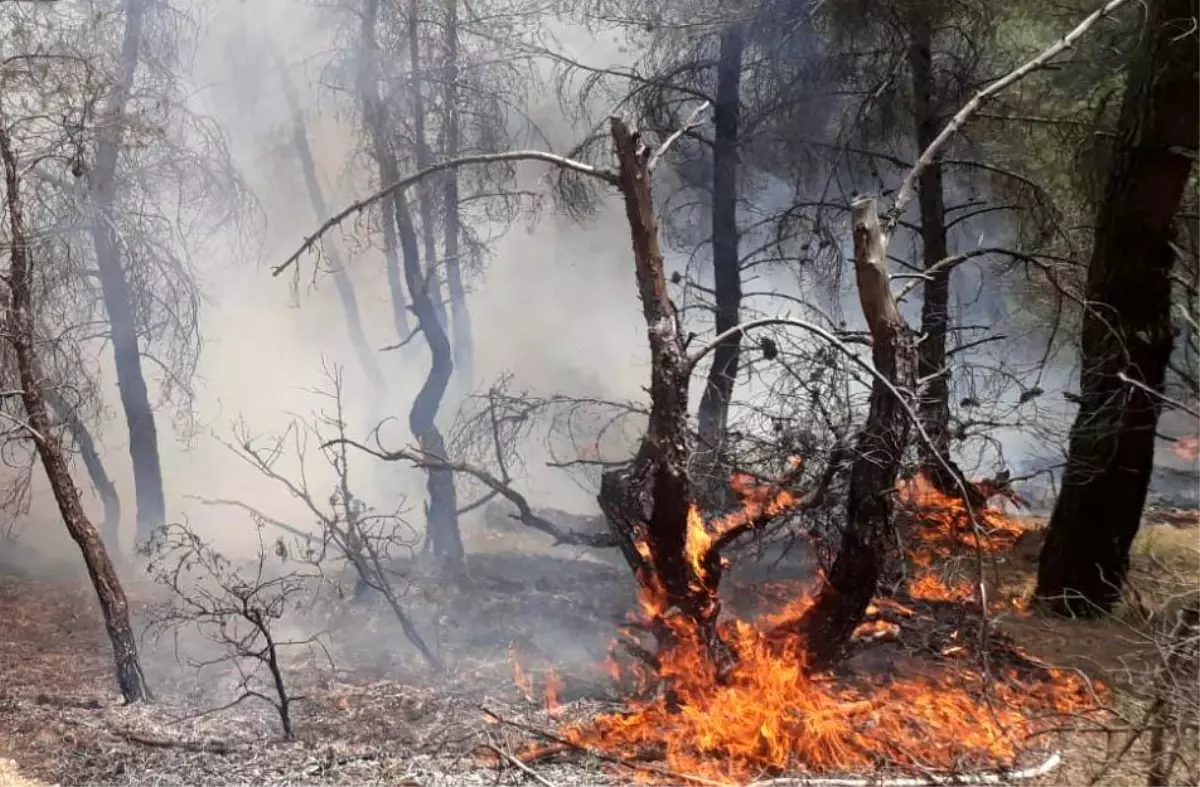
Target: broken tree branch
{"points": [[1167, 400], [689, 124], [522, 767], [905, 194], [525, 514], [266, 519], [442, 166], [869, 535]]}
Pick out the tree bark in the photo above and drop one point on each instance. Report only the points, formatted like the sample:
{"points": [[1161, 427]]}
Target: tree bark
{"points": [[648, 504], [106, 490], [341, 279], [869, 534], [431, 278], [375, 119], [934, 402], [20, 323], [460, 315], [1126, 327], [713, 414], [114, 285], [442, 505]]}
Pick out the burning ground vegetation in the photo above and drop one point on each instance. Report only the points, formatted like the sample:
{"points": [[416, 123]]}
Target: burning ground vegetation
{"points": [[540, 682], [940, 694]]}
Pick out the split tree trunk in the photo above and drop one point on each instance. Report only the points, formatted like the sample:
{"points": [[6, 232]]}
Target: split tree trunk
{"points": [[20, 322], [114, 285], [106, 490], [934, 402], [341, 279], [869, 536], [460, 315], [713, 414], [1127, 326], [648, 503]]}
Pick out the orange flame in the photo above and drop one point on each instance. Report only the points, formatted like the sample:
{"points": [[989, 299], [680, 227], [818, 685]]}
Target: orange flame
{"points": [[944, 522], [554, 685], [1187, 448], [767, 714], [522, 681]]}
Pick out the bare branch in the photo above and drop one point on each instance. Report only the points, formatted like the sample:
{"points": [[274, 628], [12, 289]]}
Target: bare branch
{"points": [[905, 194], [689, 124], [526, 514], [441, 166], [1178, 405]]}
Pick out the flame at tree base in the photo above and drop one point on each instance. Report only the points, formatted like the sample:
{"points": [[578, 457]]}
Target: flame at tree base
{"points": [[766, 714]]}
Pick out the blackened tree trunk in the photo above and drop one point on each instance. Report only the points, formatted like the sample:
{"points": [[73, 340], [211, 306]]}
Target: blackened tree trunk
{"points": [[934, 404], [648, 504], [442, 506], [114, 284], [106, 490], [1126, 327], [869, 536], [20, 329], [341, 279], [460, 315], [713, 414]]}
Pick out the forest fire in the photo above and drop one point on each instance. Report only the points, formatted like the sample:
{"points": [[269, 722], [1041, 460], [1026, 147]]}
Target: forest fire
{"points": [[769, 714], [940, 524], [1187, 448]]}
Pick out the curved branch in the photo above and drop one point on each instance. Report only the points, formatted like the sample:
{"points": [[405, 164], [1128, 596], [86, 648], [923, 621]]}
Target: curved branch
{"points": [[526, 515], [905, 194], [441, 166]]}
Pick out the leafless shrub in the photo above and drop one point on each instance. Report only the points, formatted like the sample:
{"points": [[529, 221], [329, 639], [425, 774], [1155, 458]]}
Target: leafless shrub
{"points": [[349, 530], [234, 607]]}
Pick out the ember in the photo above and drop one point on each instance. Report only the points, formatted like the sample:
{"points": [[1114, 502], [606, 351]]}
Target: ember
{"points": [[1187, 448]]}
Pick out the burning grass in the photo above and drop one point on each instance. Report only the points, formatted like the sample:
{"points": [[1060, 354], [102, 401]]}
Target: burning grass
{"points": [[767, 714]]}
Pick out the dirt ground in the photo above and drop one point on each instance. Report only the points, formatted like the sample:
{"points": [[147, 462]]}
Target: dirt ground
{"points": [[376, 714]]}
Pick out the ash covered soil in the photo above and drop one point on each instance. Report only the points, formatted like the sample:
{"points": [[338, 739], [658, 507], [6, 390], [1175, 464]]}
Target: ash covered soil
{"points": [[372, 712]]}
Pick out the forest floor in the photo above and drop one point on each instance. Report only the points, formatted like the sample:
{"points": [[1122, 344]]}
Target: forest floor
{"points": [[375, 714]]}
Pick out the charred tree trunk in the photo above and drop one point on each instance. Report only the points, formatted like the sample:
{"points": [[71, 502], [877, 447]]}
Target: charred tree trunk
{"points": [[1126, 327], [869, 535], [341, 279], [375, 119], [20, 323], [114, 284], [460, 315], [442, 506], [648, 505], [713, 414], [106, 490], [934, 402], [431, 277]]}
